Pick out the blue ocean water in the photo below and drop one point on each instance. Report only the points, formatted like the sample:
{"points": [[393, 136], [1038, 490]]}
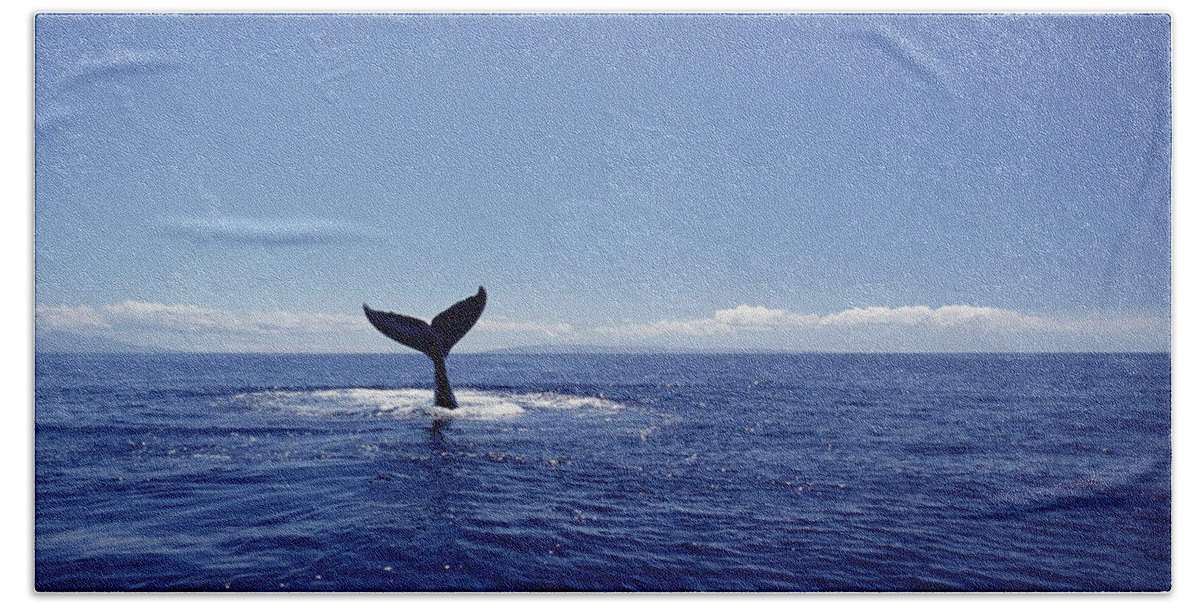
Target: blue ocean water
{"points": [[604, 472]]}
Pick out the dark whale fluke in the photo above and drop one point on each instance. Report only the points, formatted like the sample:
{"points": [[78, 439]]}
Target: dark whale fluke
{"points": [[434, 339]]}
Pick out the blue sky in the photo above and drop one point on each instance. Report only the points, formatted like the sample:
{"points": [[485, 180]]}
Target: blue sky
{"points": [[829, 182]]}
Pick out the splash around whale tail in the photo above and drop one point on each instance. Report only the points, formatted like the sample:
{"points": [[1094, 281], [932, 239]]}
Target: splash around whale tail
{"points": [[434, 339]]}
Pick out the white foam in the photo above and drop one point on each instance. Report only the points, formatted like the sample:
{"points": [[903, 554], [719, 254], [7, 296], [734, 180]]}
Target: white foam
{"points": [[414, 403]]}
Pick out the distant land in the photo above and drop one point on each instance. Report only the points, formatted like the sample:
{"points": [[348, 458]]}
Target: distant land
{"points": [[592, 349], [562, 349], [49, 341]]}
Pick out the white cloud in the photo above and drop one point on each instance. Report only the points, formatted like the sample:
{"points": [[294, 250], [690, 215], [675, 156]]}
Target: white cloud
{"points": [[78, 319], [946, 316], [907, 328], [503, 324], [727, 321], [262, 231], [187, 326], [761, 319], [698, 327], [132, 316]]}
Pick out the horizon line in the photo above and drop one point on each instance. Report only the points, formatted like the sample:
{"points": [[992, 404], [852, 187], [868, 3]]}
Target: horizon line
{"points": [[616, 351]]}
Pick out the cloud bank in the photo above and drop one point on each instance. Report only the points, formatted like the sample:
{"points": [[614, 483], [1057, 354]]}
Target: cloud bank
{"points": [[188, 327], [954, 328], [503, 324], [133, 315], [745, 318], [872, 329]]}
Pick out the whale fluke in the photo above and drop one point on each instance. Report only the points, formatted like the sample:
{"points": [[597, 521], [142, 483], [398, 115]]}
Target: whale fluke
{"points": [[434, 339], [453, 323]]}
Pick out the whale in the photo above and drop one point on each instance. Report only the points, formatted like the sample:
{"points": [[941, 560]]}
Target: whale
{"points": [[434, 338]]}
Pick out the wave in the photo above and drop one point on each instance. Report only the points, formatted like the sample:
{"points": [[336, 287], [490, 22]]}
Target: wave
{"points": [[414, 403]]}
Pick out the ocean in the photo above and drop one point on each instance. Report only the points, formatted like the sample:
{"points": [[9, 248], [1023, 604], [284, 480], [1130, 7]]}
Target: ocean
{"points": [[772, 472]]}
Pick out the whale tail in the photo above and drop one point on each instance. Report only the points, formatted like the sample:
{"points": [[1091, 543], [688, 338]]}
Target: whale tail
{"points": [[434, 339]]}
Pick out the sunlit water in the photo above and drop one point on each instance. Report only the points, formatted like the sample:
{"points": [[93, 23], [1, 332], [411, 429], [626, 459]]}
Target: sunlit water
{"points": [[687, 472]]}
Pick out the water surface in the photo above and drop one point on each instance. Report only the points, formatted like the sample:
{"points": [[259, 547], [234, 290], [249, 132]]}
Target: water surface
{"points": [[603, 472]]}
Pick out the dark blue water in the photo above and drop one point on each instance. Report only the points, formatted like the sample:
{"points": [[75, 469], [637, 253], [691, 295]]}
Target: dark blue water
{"points": [[578, 472]]}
